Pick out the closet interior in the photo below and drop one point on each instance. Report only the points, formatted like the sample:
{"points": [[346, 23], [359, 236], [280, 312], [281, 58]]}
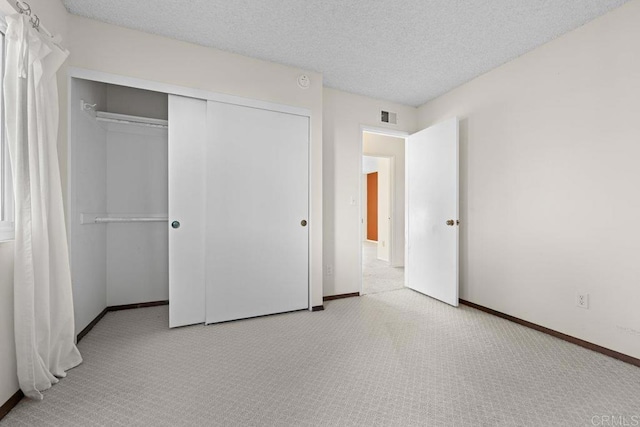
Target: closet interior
{"points": [[118, 197]]}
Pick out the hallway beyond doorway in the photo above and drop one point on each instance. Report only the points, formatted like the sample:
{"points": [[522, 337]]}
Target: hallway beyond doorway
{"points": [[377, 275]]}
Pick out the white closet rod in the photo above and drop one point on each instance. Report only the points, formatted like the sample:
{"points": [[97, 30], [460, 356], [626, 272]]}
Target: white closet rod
{"points": [[103, 220], [134, 120], [131, 122], [104, 116]]}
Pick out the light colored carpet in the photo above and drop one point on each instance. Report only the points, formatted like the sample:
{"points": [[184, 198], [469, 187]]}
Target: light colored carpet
{"points": [[378, 276], [394, 358]]}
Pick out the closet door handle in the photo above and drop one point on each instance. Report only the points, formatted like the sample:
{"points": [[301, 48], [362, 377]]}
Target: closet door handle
{"points": [[175, 224]]}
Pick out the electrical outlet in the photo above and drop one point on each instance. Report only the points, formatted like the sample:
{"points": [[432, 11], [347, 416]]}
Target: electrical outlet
{"points": [[328, 270], [582, 300]]}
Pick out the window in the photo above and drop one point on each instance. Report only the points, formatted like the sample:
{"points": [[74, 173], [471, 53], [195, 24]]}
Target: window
{"points": [[6, 194]]}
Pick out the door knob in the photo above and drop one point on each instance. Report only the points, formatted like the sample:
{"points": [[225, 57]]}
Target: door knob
{"points": [[450, 222], [303, 223], [175, 224]]}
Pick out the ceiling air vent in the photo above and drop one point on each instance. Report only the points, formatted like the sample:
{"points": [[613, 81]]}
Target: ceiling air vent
{"points": [[388, 117]]}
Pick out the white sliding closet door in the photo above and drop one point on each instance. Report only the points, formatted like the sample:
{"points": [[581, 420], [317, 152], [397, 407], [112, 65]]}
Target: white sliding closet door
{"points": [[257, 193], [187, 152]]}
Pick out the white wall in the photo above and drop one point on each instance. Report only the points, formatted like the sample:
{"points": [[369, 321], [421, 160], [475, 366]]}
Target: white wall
{"points": [[392, 147], [369, 164], [384, 209], [137, 102], [343, 118], [137, 184], [549, 162], [88, 242]]}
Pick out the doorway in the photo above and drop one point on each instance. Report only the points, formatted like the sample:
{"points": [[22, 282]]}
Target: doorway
{"points": [[382, 212], [424, 212]]}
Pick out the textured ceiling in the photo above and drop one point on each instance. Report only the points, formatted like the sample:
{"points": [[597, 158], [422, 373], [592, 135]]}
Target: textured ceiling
{"points": [[407, 51]]}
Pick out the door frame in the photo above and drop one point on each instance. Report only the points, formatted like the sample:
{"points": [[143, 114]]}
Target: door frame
{"points": [[386, 132], [315, 257]]}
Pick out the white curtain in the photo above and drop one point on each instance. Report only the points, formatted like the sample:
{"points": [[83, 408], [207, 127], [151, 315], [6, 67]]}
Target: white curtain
{"points": [[44, 322]]}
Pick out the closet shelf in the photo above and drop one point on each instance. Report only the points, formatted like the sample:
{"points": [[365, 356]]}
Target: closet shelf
{"points": [[104, 116]]}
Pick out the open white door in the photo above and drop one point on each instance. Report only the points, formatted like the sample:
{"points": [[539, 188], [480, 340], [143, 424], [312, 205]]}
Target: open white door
{"points": [[257, 193], [431, 265], [187, 155]]}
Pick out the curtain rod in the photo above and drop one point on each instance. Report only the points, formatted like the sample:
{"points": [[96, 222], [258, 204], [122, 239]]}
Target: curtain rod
{"points": [[25, 9]]}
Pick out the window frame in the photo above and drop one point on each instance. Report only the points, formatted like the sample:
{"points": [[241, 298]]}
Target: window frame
{"points": [[7, 224]]}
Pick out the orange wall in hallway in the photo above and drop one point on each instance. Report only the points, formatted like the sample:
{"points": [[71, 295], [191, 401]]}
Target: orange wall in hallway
{"points": [[372, 206]]}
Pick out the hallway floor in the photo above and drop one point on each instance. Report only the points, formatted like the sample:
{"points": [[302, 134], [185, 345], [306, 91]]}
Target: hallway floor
{"points": [[378, 276]]}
